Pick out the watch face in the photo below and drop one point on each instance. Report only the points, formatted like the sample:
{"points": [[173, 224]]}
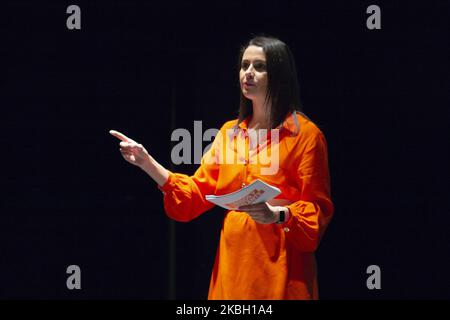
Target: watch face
{"points": [[282, 216]]}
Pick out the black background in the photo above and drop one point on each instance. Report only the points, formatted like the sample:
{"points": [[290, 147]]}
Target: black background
{"points": [[145, 68]]}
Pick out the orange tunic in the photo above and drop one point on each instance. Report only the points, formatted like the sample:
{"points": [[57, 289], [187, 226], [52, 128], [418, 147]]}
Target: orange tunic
{"points": [[262, 261]]}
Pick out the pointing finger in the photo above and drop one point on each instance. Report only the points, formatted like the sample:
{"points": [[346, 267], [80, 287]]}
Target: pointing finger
{"points": [[120, 136]]}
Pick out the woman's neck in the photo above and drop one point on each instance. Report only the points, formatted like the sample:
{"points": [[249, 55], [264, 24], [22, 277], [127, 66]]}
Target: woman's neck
{"points": [[260, 118]]}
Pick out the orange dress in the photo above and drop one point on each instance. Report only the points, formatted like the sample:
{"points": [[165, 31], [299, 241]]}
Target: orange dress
{"points": [[262, 261]]}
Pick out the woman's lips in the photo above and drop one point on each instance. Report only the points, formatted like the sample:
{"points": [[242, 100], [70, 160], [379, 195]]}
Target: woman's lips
{"points": [[249, 84]]}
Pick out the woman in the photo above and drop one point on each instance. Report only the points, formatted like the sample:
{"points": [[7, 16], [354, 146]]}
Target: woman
{"points": [[266, 250]]}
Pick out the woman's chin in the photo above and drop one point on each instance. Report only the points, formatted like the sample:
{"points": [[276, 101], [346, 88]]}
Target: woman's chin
{"points": [[248, 95]]}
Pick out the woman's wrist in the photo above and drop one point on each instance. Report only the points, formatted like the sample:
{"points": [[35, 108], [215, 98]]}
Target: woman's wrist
{"points": [[156, 171], [148, 164]]}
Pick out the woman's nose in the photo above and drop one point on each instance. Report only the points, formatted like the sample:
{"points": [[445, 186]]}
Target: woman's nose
{"points": [[250, 68], [249, 73]]}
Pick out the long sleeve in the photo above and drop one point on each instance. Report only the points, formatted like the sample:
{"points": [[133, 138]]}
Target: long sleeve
{"points": [[312, 213], [184, 196]]}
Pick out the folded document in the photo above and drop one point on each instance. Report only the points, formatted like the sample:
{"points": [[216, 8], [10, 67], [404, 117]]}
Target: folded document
{"points": [[256, 192]]}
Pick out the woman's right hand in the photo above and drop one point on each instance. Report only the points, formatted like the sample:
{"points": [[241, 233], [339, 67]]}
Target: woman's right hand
{"points": [[131, 151]]}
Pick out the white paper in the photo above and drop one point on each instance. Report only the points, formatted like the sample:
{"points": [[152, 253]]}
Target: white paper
{"points": [[256, 192]]}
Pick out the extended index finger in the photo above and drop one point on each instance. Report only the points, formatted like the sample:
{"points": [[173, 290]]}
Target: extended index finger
{"points": [[120, 136]]}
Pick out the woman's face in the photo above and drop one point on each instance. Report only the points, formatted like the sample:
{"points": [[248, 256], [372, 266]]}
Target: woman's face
{"points": [[253, 73]]}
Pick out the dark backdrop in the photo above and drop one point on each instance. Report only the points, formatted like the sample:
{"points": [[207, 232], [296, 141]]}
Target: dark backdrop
{"points": [[145, 68]]}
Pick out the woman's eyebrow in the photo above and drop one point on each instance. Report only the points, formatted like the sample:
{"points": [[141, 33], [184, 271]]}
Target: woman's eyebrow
{"points": [[256, 60]]}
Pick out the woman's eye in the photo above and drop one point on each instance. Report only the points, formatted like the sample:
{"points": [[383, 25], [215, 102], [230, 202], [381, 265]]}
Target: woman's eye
{"points": [[260, 67]]}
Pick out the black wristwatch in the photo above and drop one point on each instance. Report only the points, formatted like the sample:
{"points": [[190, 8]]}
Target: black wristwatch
{"points": [[282, 218]]}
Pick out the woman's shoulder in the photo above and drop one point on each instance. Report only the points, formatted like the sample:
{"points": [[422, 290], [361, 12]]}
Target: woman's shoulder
{"points": [[307, 127], [309, 136], [229, 125]]}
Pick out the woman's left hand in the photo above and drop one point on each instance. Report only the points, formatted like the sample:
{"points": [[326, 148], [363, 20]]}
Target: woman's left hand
{"points": [[261, 212]]}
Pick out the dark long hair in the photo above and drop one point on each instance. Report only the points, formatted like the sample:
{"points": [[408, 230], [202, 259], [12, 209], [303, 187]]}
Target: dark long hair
{"points": [[282, 88]]}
